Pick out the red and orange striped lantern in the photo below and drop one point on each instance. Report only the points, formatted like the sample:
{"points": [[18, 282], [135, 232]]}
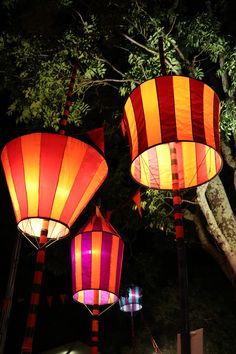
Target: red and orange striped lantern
{"points": [[51, 177], [179, 110], [96, 255]]}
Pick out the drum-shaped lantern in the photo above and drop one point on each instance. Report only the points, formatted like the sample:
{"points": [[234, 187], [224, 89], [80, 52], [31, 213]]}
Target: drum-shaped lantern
{"points": [[51, 177], [131, 302], [96, 256], [173, 112]]}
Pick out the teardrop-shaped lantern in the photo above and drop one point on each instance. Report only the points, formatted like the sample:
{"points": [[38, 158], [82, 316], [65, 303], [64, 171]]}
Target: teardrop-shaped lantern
{"points": [[132, 301], [173, 112], [96, 255], [51, 177]]}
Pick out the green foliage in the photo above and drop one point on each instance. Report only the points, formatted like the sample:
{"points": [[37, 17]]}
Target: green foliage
{"points": [[158, 209]]}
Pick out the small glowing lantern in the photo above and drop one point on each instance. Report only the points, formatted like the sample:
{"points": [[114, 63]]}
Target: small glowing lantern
{"points": [[96, 255], [132, 302], [173, 130], [51, 178], [173, 112]]}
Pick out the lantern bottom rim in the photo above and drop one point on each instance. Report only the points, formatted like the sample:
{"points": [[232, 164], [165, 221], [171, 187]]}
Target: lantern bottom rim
{"points": [[95, 297], [32, 227]]}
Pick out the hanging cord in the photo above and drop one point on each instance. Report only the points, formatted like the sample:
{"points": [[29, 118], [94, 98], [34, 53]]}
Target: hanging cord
{"points": [[69, 100]]}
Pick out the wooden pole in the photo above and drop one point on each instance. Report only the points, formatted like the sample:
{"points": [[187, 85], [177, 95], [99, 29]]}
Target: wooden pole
{"points": [[6, 309], [27, 345], [181, 255], [95, 325]]}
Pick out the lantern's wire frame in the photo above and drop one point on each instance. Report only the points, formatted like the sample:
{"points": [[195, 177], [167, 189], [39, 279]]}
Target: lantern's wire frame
{"points": [[101, 312], [44, 241], [35, 241]]}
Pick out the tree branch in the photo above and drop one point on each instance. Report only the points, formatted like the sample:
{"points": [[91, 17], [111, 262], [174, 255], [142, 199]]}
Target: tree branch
{"points": [[208, 246], [150, 51]]}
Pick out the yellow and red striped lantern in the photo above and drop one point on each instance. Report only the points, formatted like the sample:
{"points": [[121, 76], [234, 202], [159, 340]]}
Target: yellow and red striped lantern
{"points": [[51, 177], [96, 256], [179, 110]]}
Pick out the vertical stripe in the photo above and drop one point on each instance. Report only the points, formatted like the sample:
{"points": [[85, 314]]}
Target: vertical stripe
{"points": [[68, 173], [105, 260], [197, 114], [216, 122], [119, 265], [75, 262], [52, 151], [190, 164], [113, 267], [210, 162], [137, 104], [144, 168], [132, 128], [86, 248], [84, 189], [208, 111], [154, 168], [182, 108], [135, 169], [15, 157], [218, 162], [164, 164], [96, 259], [10, 183], [151, 112], [97, 224], [167, 108], [81, 296], [31, 152], [202, 175], [179, 155]]}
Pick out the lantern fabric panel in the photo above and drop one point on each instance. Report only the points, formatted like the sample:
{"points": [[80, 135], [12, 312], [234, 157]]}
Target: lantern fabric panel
{"points": [[51, 177], [179, 110], [132, 302], [96, 263]]}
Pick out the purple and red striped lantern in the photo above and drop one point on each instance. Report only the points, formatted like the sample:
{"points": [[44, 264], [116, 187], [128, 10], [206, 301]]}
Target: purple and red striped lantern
{"points": [[51, 177], [96, 255], [132, 302], [178, 110]]}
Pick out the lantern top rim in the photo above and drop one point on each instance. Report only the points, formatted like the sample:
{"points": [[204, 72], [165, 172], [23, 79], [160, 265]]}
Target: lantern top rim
{"points": [[92, 145], [104, 226], [161, 77]]}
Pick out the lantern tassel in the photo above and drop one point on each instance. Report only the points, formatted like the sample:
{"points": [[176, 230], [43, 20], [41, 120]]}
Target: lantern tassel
{"points": [[181, 254], [27, 345]]}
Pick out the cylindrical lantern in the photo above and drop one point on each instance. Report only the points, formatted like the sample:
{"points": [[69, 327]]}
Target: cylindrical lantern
{"points": [[51, 177], [96, 255], [131, 302], [179, 110]]}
